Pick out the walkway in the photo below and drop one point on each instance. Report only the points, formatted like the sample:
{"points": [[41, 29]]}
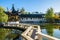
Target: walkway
{"points": [[33, 34]]}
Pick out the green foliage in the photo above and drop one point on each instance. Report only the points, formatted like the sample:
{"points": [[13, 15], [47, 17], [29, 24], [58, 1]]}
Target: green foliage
{"points": [[49, 29], [3, 33], [22, 11], [49, 15], [3, 16], [59, 15], [12, 35]]}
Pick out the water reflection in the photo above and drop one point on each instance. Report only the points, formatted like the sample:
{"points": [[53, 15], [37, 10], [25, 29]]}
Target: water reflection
{"points": [[3, 33], [51, 29], [10, 34], [14, 35]]}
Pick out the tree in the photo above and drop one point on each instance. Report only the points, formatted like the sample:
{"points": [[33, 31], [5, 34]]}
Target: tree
{"points": [[49, 15], [22, 11], [56, 16], [3, 16], [59, 15]]}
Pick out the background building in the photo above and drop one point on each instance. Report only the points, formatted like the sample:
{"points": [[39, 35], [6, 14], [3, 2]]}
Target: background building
{"points": [[32, 18], [12, 14]]}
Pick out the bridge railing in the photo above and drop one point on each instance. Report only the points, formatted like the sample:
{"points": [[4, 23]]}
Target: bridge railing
{"points": [[24, 26], [24, 34], [40, 35]]}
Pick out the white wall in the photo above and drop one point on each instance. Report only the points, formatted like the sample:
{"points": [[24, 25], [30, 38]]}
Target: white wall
{"points": [[32, 19]]}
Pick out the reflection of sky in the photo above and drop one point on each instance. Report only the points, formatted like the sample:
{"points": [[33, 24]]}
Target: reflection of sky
{"points": [[56, 32], [44, 31], [32, 5]]}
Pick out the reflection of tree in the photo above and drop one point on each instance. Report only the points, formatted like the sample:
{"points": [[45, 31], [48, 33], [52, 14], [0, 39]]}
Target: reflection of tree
{"points": [[3, 33], [49, 29], [59, 28]]}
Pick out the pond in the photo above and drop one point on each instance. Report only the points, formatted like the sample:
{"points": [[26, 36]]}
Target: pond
{"points": [[10, 34], [51, 29], [14, 34]]}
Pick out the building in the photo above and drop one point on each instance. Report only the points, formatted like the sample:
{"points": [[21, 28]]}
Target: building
{"points": [[12, 14], [15, 15], [32, 18]]}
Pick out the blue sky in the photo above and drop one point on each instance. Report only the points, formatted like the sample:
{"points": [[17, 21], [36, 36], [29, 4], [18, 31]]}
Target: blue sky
{"points": [[32, 5]]}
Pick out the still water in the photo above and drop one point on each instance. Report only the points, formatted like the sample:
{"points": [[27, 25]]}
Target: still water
{"points": [[9, 34], [51, 29]]}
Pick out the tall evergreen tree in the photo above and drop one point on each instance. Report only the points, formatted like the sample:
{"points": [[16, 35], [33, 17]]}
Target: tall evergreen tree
{"points": [[13, 9]]}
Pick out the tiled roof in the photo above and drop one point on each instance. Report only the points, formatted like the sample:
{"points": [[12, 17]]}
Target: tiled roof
{"points": [[32, 15]]}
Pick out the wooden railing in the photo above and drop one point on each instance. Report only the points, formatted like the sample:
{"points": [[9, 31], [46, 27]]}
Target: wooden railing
{"points": [[24, 26], [40, 35], [24, 34]]}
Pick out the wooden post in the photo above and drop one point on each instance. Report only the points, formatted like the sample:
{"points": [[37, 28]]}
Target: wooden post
{"points": [[39, 37]]}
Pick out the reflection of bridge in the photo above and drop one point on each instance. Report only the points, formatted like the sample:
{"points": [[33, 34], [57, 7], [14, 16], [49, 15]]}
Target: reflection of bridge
{"points": [[32, 32]]}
